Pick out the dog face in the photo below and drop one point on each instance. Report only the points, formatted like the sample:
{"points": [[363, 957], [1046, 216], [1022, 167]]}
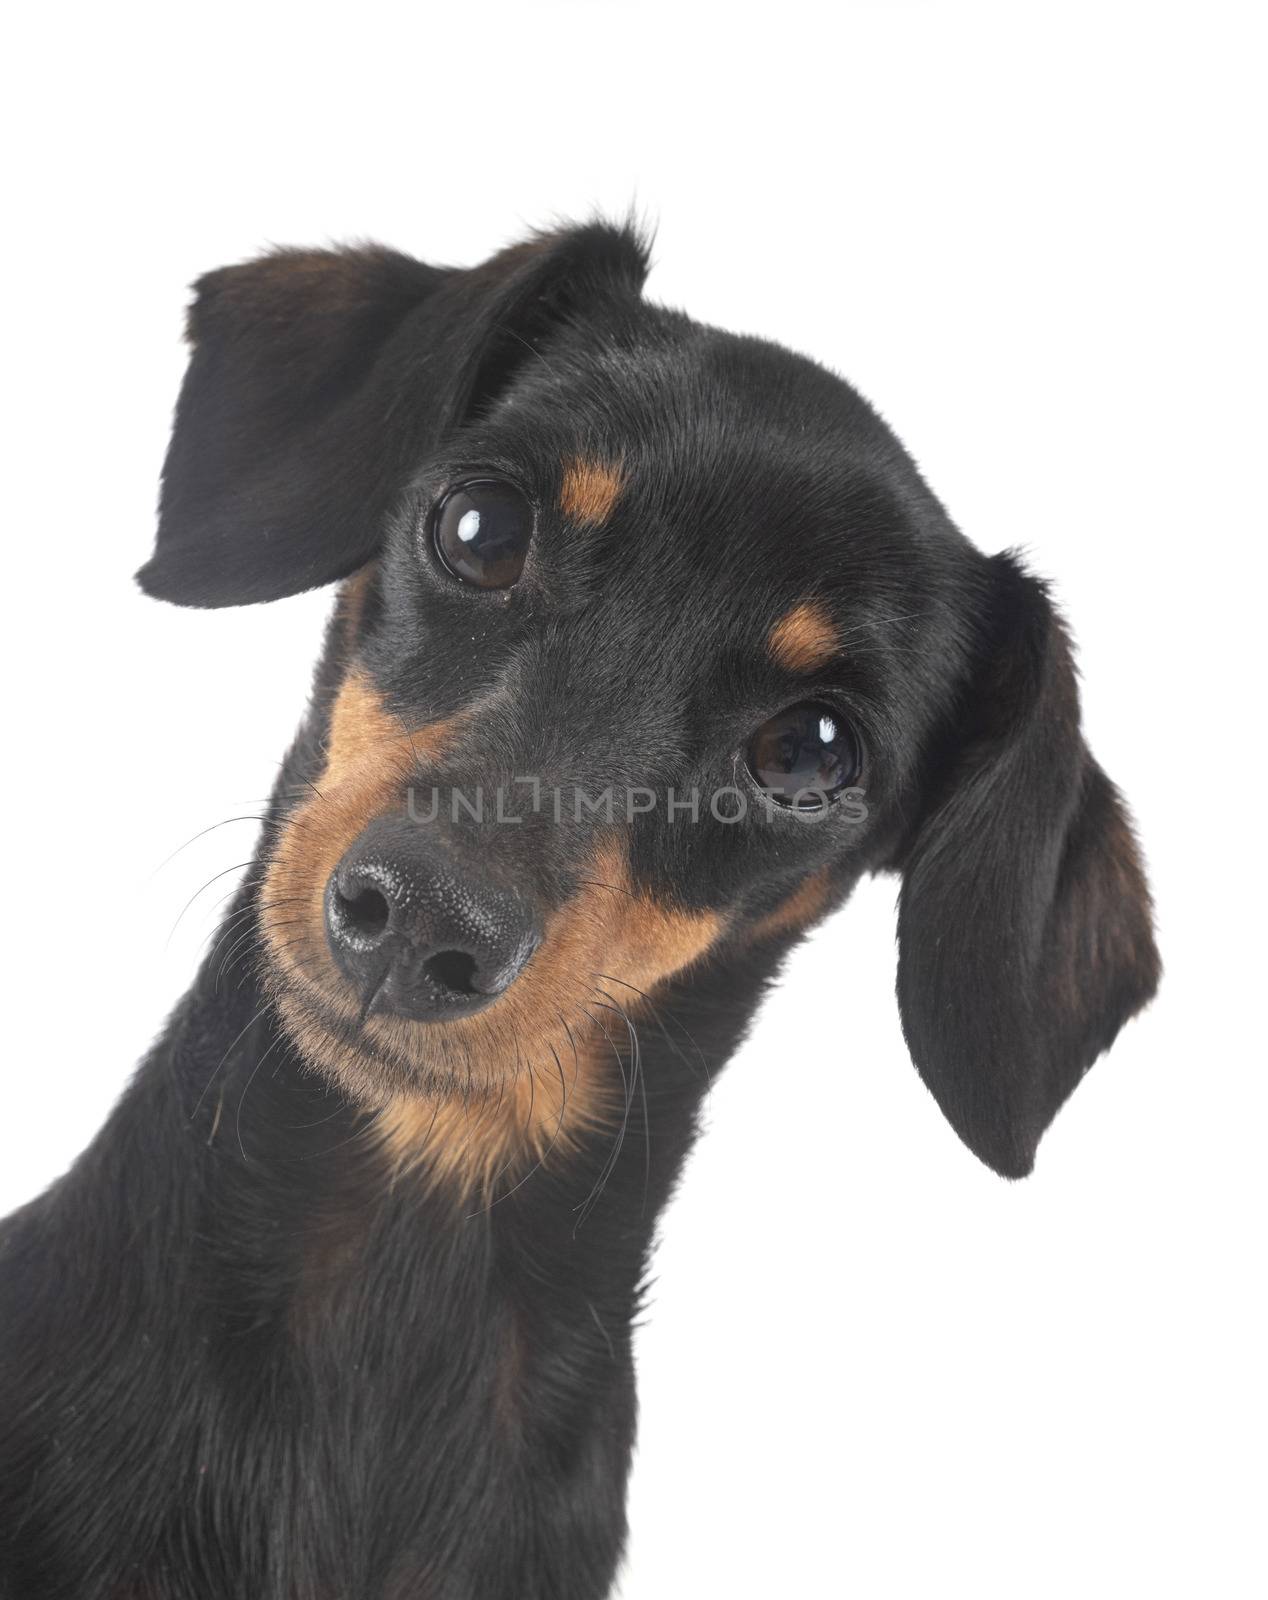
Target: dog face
{"points": [[651, 642]]}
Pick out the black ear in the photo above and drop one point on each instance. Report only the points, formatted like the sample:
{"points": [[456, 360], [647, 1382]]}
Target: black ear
{"points": [[319, 378], [1025, 926]]}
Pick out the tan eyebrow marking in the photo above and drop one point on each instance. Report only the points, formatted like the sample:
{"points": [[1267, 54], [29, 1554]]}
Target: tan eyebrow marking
{"points": [[803, 638], [590, 490]]}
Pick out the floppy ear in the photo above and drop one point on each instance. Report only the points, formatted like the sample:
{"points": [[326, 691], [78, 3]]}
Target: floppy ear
{"points": [[317, 381], [1025, 925]]}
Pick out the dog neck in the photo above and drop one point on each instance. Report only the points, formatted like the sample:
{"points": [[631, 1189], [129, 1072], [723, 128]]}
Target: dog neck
{"points": [[384, 1350]]}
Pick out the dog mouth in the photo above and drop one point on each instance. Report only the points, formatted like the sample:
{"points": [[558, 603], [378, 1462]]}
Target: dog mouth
{"points": [[564, 990], [398, 1017], [342, 1038]]}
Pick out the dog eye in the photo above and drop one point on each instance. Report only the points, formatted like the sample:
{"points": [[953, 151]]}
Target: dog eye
{"points": [[805, 756], [481, 530]]}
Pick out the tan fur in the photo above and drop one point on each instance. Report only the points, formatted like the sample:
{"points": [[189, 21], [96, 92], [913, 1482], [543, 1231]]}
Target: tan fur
{"points": [[805, 905], [556, 1027], [471, 1097], [590, 490], [351, 604], [803, 638]]}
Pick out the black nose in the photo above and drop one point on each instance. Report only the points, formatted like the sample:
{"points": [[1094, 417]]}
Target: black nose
{"points": [[418, 935]]}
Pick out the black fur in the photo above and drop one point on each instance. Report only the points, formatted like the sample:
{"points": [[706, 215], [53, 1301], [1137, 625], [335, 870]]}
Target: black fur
{"points": [[239, 1358]]}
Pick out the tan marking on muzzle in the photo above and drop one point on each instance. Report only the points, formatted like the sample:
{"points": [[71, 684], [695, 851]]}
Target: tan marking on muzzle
{"points": [[804, 638], [468, 1099], [558, 1026], [370, 759], [590, 490]]}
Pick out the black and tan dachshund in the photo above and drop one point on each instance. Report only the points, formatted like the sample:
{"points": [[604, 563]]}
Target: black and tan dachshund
{"points": [[650, 641]]}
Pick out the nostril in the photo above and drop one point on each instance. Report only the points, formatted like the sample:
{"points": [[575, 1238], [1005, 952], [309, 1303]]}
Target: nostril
{"points": [[453, 970], [365, 913], [414, 939]]}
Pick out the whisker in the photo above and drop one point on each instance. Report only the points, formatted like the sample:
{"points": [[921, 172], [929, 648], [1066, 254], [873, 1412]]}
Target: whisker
{"points": [[202, 834], [541, 1160], [226, 1056], [882, 622], [593, 883], [253, 939], [409, 735], [237, 867], [657, 1013], [576, 1058], [609, 1165], [314, 788], [242, 1099], [638, 1076], [366, 1128]]}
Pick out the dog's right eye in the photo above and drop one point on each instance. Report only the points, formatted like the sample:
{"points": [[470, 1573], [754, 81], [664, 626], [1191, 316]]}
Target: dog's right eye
{"points": [[481, 530]]}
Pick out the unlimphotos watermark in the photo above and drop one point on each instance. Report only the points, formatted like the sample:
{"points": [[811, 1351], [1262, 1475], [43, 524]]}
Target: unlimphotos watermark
{"points": [[511, 804]]}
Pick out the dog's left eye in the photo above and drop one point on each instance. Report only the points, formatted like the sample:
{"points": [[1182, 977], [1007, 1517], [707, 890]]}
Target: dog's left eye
{"points": [[482, 530], [805, 756]]}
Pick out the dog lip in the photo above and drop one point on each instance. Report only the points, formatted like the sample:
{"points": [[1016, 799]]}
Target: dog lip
{"points": [[317, 1008]]}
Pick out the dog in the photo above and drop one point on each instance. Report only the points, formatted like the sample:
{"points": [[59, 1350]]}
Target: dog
{"points": [[649, 642]]}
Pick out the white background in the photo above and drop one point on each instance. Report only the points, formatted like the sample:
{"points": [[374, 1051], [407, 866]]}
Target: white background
{"points": [[871, 1368]]}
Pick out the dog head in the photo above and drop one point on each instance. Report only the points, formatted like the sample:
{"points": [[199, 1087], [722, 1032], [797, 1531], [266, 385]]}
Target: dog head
{"points": [[652, 640]]}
